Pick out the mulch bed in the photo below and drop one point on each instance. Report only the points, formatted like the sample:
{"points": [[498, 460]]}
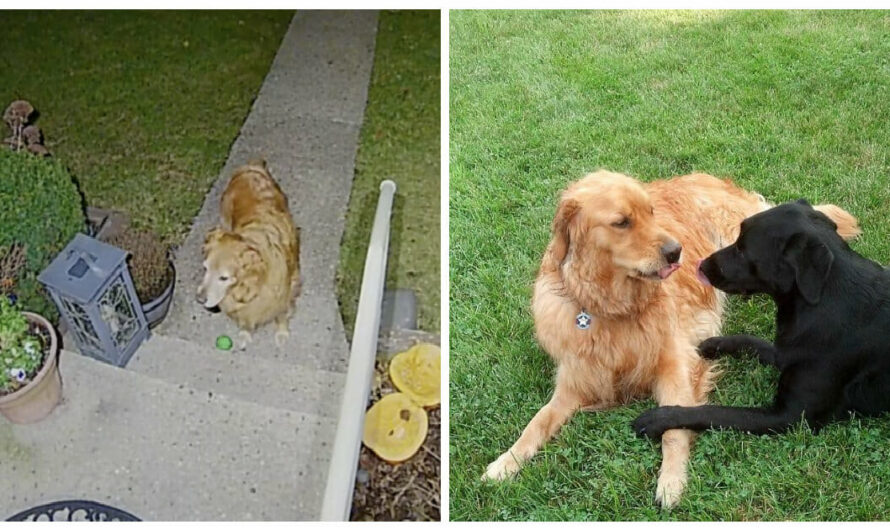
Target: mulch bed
{"points": [[403, 492]]}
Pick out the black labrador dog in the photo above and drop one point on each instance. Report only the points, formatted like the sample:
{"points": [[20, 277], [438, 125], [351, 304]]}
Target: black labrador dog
{"points": [[833, 326]]}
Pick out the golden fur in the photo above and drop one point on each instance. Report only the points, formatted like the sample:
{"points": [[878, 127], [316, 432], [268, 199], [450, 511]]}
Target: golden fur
{"points": [[252, 268], [643, 337]]}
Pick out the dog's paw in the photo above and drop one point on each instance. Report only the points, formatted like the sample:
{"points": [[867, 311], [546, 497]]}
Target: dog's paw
{"points": [[712, 348], [281, 337], [669, 490], [244, 339], [506, 466], [652, 423]]}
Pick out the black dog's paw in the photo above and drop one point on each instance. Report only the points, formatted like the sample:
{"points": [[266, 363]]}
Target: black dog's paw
{"points": [[652, 423], [713, 347]]}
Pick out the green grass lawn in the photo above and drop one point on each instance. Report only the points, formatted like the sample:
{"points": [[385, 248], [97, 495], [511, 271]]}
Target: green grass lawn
{"points": [[141, 106], [789, 104], [399, 140]]}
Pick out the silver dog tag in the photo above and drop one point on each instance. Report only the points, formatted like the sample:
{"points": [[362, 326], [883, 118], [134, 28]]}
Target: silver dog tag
{"points": [[582, 320]]}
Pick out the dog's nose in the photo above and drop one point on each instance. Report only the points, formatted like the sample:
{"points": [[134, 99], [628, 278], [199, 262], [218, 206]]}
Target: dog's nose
{"points": [[671, 252]]}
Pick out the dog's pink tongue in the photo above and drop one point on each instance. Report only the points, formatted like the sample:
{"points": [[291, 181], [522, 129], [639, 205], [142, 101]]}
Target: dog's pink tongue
{"points": [[664, 272], [700, 275]]}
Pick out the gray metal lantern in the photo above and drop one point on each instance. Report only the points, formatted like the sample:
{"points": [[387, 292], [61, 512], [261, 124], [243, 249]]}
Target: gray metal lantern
{"points": [[91, 285]]}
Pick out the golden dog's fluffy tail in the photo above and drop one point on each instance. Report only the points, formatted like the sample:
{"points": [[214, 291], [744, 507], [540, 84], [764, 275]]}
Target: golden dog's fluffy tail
{"points": [[847, 225]]}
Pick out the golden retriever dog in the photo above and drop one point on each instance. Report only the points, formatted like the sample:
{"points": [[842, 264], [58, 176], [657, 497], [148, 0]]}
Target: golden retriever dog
{"points": [[619, 309], [252, 262]]}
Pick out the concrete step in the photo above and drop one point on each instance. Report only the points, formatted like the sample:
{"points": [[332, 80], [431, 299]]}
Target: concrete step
{"points": [[163, 451], [240, 375]]}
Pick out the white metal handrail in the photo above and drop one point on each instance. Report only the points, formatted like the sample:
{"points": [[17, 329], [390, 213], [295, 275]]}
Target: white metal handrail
{"points": [[347, 442]]}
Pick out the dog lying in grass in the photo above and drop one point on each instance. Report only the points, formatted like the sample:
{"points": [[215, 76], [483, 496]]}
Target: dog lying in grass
{"points": [[252, 262], [619, 313], [832, 342]]}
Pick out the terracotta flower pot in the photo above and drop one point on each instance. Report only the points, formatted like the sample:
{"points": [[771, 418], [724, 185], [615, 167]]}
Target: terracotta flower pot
{"points": [[37, 399]]}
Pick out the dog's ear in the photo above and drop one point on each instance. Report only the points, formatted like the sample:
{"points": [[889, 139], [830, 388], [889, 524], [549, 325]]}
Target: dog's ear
{"points": [[811, 261], [213, 237], [250, 259], [248, 275], [565, 215], [804, 202]]}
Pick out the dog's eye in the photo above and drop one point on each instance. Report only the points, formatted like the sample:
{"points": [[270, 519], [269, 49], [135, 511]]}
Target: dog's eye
{"points": [[223, 278], [623, 223]]}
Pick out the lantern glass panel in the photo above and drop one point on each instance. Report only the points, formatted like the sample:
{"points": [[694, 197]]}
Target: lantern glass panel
{"points": [[118, 313], [80, 322]]}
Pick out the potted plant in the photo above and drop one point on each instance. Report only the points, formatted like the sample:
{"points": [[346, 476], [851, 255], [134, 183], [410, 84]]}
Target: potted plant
{"points": [[151, 269], [30, 384]]}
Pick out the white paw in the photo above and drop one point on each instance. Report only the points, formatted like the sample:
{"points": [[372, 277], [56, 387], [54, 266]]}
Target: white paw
{"points": [[244, 339], [281, 337], [669, 490], [506, 466]]}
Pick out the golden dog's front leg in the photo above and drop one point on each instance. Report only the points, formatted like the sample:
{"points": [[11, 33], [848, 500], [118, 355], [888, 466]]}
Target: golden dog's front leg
{"points": [[244, 338], [675, 447], [674, 386], [282, 333], [543, 426]]}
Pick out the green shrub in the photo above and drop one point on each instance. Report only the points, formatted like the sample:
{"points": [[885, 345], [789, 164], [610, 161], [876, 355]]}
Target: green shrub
{"points": [[42, 210]]}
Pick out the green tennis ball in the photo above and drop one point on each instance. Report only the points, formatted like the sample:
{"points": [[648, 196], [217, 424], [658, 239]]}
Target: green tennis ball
{"points": [[224, 342]]}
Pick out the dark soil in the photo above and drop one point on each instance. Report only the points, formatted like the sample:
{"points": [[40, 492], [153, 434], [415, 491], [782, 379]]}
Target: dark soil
{"points": [[42, 334], [402, 492]]}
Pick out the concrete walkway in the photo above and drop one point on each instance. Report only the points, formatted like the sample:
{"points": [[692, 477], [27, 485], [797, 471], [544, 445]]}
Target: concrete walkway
{"points": [[305, 122], [188, 432]]}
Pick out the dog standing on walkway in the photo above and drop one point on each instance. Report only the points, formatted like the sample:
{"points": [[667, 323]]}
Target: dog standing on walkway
{"points": [[252, 261]]}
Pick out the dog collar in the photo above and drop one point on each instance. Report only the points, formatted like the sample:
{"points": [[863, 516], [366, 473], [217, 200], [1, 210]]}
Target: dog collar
{"points": [[583, 320]]}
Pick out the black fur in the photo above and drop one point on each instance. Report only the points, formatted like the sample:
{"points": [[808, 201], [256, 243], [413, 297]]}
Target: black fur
{"points": [[832, 332]]}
